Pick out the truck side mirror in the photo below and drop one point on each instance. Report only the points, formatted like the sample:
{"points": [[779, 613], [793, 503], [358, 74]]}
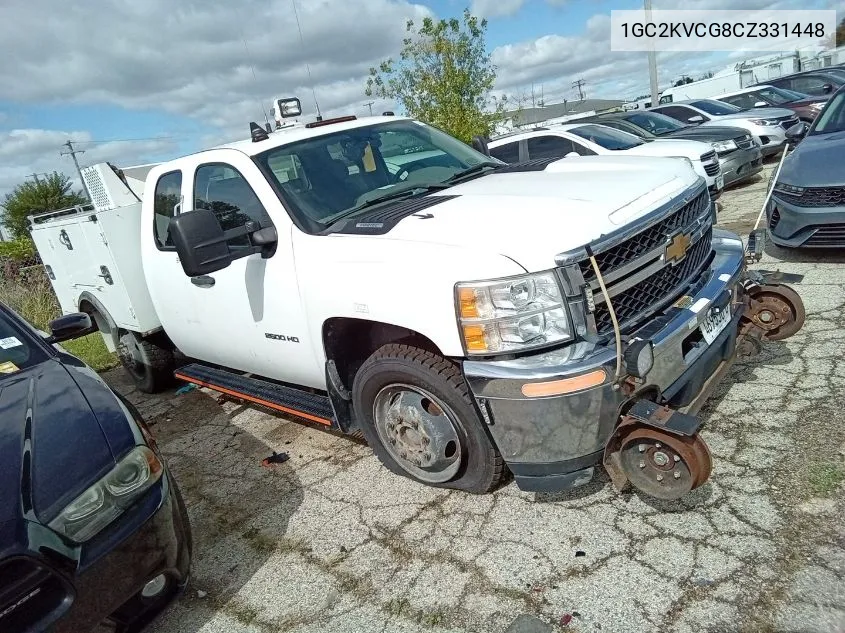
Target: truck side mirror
{"points": [[70, 326], [827, 88], [200, 242]]}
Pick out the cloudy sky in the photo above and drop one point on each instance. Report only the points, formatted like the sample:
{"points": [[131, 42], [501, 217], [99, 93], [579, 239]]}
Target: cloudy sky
{"points": [[138, 81]]}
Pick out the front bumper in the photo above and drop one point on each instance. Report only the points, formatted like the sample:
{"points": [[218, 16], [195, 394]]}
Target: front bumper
{"points": [[151, 538], [808, 227], [553, 443], [741, 164]]}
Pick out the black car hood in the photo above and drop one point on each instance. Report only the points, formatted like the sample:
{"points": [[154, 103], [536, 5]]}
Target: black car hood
{"points": [[816, 162], [707, 133], [52, 444]]}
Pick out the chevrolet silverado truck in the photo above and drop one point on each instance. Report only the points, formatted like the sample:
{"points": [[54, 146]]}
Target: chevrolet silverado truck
{"points": [[470, 318]]}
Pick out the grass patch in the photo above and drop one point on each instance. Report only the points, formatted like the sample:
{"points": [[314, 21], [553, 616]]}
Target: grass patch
{"points": [[824, 478], [31, 296]]}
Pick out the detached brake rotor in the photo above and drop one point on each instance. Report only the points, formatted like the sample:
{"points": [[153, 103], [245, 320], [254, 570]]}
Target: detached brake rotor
{"points": [[662, 464], [777, 310]]}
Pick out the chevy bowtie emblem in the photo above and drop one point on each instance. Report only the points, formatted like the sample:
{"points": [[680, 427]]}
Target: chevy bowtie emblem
{"points": [[677, 248]]}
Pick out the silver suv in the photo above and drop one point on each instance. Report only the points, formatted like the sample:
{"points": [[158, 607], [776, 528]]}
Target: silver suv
{"points": [[767, 125]]}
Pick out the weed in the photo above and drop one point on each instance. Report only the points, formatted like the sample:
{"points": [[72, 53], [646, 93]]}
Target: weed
{"points": [[825, 477]]}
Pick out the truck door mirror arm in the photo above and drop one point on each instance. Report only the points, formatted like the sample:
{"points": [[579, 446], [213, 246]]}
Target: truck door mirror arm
{"points": [[203, 245]]}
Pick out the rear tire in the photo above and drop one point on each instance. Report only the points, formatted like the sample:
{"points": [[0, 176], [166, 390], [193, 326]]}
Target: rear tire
{"points": [[150, 365], [416, 412]]}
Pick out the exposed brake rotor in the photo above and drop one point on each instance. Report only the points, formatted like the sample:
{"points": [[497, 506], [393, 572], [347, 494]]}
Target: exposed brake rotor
{"points": [[777, 310], [662, 464]]}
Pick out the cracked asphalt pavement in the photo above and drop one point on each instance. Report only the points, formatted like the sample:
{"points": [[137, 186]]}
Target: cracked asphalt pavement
{"points": [[332, 542]]}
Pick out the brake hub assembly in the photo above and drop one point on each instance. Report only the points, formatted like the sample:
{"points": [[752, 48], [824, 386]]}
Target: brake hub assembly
{"points": [[776, 310], [658, 451]]}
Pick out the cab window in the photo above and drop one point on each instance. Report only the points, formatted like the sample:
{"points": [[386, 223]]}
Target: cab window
{"points": [[508, 152], [222, 189], [167, 195]]}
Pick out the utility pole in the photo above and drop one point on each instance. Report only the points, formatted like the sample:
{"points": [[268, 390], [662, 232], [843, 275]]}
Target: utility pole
{"points": [[35, 177], [73, 153], [652, 58], [370, 106], [578, 86]]}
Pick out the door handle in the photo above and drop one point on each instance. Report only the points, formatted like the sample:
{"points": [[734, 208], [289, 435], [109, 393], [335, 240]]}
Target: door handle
{"points": [[203, 281]]}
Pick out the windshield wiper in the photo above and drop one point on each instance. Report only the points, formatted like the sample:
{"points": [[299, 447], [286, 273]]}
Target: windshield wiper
{"points": [[471, 171], [387, 196]]}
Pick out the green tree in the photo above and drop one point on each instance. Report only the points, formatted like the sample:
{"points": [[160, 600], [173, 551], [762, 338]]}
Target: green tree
{"points": [[443, 76], [840, 33], [46, 194]]}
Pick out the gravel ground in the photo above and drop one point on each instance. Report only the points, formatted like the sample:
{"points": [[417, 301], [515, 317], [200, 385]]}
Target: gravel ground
{"points": [[332, 542]]}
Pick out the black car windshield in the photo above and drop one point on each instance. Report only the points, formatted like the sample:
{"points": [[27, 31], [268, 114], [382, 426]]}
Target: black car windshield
{"points": [[326, 177], [716, 108], [832, 118], [656, 123], [16, 350], [778, 96], [607, 137]]}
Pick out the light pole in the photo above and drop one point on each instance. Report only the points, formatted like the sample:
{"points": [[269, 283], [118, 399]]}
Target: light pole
{"points": [[652, 57]]}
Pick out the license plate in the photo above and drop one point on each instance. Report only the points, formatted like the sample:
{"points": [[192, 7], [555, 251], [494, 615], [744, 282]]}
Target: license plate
{"points": [[720, 182], [714, 323]]}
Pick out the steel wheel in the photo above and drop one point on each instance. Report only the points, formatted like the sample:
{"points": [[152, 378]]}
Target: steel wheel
{"points": [[131, 355], [663, 465], [778, 310], [420, 432]]}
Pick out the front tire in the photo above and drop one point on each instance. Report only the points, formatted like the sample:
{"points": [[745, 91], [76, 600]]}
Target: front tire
{"points": [[417, 414], [150, 365]]}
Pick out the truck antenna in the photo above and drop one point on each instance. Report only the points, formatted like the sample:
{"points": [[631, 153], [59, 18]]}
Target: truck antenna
{"points": [[254, 78], [307, 66]]}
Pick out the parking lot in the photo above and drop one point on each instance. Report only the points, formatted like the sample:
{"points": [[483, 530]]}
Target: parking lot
{"points": [[332, 542]]}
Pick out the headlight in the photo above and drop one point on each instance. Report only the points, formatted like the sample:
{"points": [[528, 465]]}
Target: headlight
{"points": [[107, 499], [790, 190], [766, 122], [512, 314], [723, 146]]}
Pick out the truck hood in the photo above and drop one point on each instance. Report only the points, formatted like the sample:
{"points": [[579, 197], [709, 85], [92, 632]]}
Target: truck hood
{"points": [[816, 162], [672, 147], [531, 216], [51, 445]]}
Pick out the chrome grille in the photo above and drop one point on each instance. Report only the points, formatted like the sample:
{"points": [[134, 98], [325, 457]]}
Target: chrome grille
{"points": [[31, 595], [788, 122], [655, 291], [648, 239], [710, 162], [746, 142]]}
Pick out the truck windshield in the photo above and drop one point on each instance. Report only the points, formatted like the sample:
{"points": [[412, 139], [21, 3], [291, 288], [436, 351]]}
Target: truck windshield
{"points": [[326, 177], [607, 137]]}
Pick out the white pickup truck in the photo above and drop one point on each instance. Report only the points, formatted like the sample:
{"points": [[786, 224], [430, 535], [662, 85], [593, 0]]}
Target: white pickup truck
{"points": [[469, 317]]}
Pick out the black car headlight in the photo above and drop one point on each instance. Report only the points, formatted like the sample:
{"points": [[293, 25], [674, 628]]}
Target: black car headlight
{"points": [[109, 497], [789, 190]]}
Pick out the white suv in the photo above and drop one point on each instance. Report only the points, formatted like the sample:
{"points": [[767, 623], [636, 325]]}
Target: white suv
{"points": [[589, 139]]}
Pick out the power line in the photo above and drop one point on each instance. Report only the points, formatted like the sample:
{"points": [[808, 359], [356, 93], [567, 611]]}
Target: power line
{"points": [[73, 153], [307, 65]]}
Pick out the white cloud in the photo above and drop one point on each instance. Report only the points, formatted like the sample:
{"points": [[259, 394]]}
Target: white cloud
{"points": [[495, 8]]}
